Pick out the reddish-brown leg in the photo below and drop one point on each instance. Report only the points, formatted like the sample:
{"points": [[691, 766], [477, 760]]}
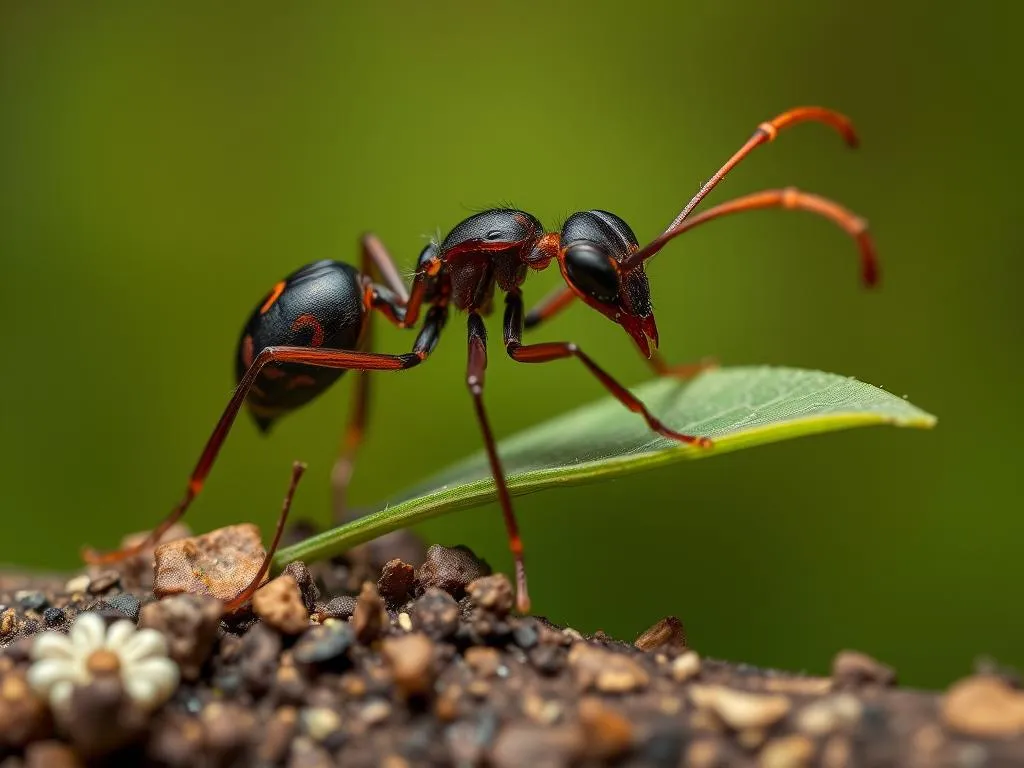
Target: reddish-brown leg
{"points": [[240, 599], [549, 306], [790, 198], [475, 367], [341, 472], [558, 350], [318, 357], [681, 371]]}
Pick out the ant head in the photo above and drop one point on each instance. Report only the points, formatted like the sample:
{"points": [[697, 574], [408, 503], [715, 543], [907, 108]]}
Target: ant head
{"points": [[594, 245]]}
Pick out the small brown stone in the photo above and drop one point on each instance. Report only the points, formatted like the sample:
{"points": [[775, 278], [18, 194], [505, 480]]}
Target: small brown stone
{"points": [[219, 564], [606, 671], [607, 732], [397, 581], [521, 744], [703, 753], [787, 752], [308, 589], [227, 729], [103, 582], [685, 666], [483, 660], [370, 618], [740, 710], [411, 659], [319, 723], [493, 594], [436, 613], [375, 712], [277, 736], [176, 741], [853, 669], [451, 569], [138, 570], [51, 754], [190, 624], [984, 706], [23, 717], [540, 710], [306, 753], [832, 713], [667, 635], [279, 604]]}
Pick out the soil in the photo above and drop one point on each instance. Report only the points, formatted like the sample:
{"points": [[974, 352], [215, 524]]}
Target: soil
{"points": [[399, 656]]}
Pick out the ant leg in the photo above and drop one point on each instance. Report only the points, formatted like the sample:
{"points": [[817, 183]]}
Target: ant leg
{"points": [[341, 472], [766, 132], [475, 368], [376, 259], [549, 306], [681, 371], [239, 600], [315, 356], [557, 350]]}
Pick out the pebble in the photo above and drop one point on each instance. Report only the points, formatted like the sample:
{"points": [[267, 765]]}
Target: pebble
{"points": [[375, 712], [306, 753], [493, 594], [525, 633], [540, 710], [53, 617], [787, 752], [190, 624], [405, 621], [319, 722], [279, 604], [103, 582], [984, 705], [668, 634], [853, 669], [51, 754], [227, 730], [397, 581], [436, 614], [78, 583], [323, 644], [339, 607], [411, 660], [523, 744], [126, 604], [176, 741], [483, 660], [606, 671], [31, 600], [219, 564], [308, 589], [832, 713], [23, 717], [548, 659], [370, 618], [260, 651], [450, 569], [608, 733], [277, 736], [740, 710], [685, 666]]}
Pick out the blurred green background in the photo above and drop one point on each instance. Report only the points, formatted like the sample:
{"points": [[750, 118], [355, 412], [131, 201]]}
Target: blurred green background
{"points": [[162, 166]]}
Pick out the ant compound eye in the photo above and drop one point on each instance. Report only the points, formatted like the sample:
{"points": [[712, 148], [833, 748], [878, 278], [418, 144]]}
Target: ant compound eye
{"points": [[592, 272]]}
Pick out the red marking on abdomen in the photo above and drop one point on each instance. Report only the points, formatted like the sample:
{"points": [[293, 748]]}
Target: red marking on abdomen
{"points": [[301, 380], [247, 351], [275, 294], [308, 321]]}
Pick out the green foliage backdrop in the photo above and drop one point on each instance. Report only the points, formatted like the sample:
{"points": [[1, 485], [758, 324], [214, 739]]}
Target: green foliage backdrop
{"points": [[162, 165]]}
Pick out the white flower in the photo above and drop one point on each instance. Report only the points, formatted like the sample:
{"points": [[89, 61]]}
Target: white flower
{"points": [[90, 650]]}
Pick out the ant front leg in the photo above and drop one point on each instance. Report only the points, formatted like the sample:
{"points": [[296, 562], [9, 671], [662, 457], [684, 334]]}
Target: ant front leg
{"points": [[558, 350], [315, 356], [681, 371], [476, 365]]}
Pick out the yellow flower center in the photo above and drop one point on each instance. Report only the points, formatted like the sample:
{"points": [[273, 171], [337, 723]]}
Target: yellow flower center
{"points": [[103, 662]]}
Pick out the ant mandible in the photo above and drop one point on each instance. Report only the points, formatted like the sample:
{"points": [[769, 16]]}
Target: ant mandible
{"points": [[315, 324]]}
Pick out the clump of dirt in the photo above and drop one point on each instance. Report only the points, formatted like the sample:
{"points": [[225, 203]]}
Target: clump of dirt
{"points": [[395, 656]]}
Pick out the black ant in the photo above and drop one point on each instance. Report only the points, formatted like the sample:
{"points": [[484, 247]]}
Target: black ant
{"points": [[315, 324]]}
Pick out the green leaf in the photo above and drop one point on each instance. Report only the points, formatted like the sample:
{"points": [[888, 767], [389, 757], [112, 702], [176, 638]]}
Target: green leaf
{"points": [[737, 407]]}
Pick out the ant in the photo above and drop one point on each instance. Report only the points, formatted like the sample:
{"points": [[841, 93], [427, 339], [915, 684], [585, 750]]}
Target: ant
{"points": [[315, 324]]}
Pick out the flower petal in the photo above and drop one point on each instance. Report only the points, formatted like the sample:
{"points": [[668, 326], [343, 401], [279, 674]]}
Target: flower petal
{"points": [[151, 682], [45, 674], [60, 695], [144, 644], [89, 632], [52, 645], [119, 634]]}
